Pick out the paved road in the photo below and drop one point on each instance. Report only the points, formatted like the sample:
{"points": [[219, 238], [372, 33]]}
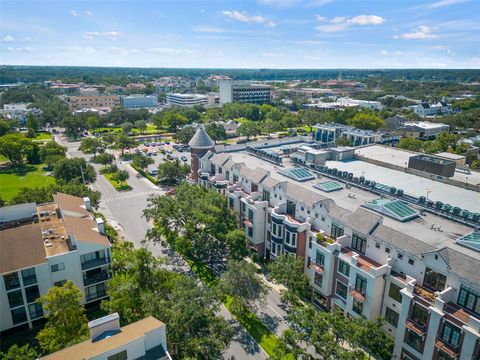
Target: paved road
{"points": [[125, 209]]}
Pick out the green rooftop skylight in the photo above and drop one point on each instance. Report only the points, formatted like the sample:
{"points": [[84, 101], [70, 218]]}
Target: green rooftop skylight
{"points": [[299, 174], [396, 209], [328, 186]]}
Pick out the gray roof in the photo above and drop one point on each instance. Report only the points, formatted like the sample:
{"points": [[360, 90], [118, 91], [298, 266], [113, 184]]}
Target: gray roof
{"points": [[270, 182], [363, 221], [201, 140], [303, 195], [228, 164], [254, 175], [463, 265], [402, 241], [339, 213], [219, 159]]}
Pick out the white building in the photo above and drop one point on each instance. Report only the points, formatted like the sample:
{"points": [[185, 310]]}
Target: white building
{"points": [[243, 92], [139, 101], [421, 275], [187, 100], [425, 109], [423, 130], [143, 339], [373, 105], [19, 112], [44, 246]]}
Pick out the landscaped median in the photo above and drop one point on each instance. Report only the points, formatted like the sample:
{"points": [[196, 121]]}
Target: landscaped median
{"points": [[145, 174], [249, 320], [118, 185]]}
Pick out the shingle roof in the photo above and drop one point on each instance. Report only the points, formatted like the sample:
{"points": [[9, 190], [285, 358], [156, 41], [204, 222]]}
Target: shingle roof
{"points": [[401, 241], [339, 213], [363, 220], [70, 203], [254, 175], [270, 182], [303, 195], [219, 159], [201, 140], [85, 229]]}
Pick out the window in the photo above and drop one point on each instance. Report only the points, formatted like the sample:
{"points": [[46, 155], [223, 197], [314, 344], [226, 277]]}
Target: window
{"points": [[231, 202], [15, 298], [32, 293], [266, 196], [19, 315], [359, 243], [60, 283], [377, 245], [277, 230], [394, 292], [316, 215], [336, 231], [11, 281], [323, 218], [414, 340], [442, 355], [357, 307], [244, 207], [419, 315], [317, 279], [341, 290], [400, 256], [291, 239], [35, 311], [310, 240], [276, 249], [319, 258], [451, 334], [250, 214], [29, 276], [303, 209], [411, 262], [250, 231], [387, 250], [120, 356], [361, 285], [57, 267], [433, 280], [344, 268], [95, 292], [469, 300], [391, 317]]}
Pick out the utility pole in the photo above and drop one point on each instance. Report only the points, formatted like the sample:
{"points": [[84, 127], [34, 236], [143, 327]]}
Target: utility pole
{"points": [[83, 177]]}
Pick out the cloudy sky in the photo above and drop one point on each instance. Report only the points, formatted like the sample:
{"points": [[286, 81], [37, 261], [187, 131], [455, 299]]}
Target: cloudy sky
{"points": [[246, 34]]}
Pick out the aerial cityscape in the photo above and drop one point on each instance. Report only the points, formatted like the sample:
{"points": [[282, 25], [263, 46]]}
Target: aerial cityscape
{"points": [[259, 179]]}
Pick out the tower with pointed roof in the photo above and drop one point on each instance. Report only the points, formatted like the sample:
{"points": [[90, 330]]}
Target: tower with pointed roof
{"points": [[200, 143]]}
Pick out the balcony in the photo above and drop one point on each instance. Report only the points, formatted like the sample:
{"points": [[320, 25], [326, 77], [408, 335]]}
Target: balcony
{"points": [[424, 293], [317, 268], [96, 278], [90, 264], [417, 327], [451, 350], [357, 294]]}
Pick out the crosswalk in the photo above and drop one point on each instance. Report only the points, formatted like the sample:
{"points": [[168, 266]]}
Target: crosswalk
{"points": [[144, 194]]}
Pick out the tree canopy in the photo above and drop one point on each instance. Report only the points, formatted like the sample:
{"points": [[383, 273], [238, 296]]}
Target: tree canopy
{"points": [[15, 147], [74, 169]]}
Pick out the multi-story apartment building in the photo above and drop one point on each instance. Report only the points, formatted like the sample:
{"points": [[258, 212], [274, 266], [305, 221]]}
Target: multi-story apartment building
{"points": [[94, 101], [420, 272], [44, 246], [243, 92]]}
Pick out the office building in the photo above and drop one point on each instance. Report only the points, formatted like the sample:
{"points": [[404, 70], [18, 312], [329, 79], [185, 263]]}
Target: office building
{"points": [[137, 101], [329, 133], [368, 250], [423, 130], [243, 92], [82, 102], [143, 339], [186, 100], [44, 246]]}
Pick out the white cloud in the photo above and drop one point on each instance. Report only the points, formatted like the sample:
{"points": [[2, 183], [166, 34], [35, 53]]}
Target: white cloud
{"points": [[26, 39], [208, 29], [8, 39], [281, 4], [384, 52], [88, 13], [340, 23], [420, 32], [242, 16], [76, 49], [73, 13], [20, 49], [169, 51], [110, 35], [117, 50], [272, 55], [135, 51], [443, 3]]}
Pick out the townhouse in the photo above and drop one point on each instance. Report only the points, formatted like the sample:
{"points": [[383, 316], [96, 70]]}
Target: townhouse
{"points": [[365, 255], [45, 245]]}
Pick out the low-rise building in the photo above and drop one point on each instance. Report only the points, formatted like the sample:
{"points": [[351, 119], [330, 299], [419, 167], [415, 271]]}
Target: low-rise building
{"points": [[186, 100], [425, 109], [82, 102], [139, 101], [329, 133], [423, 130], [19, 112], [243, 92], [42, 246], [143, 339], [373, 105]]}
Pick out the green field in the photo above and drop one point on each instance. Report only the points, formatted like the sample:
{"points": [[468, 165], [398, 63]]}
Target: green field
{"points": [[42, 136], [12, 181]]}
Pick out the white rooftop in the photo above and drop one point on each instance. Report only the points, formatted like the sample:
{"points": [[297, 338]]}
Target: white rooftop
{"points": [[425, 124]]}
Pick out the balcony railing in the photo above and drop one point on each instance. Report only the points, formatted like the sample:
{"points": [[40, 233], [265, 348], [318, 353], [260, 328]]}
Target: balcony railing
{"points": [[96, 278], [357, 294], [417, 327], [94, 263], [317, 267], [98, 295], [424, 293], [451, 350]]}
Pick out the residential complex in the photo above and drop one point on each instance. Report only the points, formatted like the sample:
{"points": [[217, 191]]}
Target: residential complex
{"points": [[19, 112], [139, 101], [425, 109], [94, 101], [370, 248], [45, 245], [243, 92], [143, 339]]}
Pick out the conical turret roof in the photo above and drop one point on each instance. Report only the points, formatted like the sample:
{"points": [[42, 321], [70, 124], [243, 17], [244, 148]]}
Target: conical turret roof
{"points": [[201, 140]]}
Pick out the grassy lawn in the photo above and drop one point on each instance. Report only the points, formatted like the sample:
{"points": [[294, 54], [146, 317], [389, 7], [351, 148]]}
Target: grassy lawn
{"points": [[11, 181], [42, 136], [3, 159], [117, 185]]}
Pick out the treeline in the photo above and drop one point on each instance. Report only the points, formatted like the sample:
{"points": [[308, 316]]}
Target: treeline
{"points": [[113, 75]]}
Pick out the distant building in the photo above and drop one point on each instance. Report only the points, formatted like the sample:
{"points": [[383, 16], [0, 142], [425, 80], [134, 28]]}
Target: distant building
{"points": [[373, 105], [425, 109], [82, 102], [170, 83], [243, 92], [329, 133], [423, 130], [460, 160], [139, 101], [136, 86], [186, 100], [44, 246], [143, 339], [19, 112], [213, 80]]}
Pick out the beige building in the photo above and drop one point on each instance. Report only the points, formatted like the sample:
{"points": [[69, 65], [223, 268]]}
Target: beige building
{"points": [[83, 102]]}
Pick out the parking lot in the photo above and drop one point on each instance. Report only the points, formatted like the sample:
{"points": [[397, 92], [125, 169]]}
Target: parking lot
{"points": [[161, 152]]}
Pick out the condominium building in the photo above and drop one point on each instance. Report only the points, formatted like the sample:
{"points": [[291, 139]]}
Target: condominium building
{"points": [[329, 133], [365, 254], [82, 102], [42, 246], [143, 339], [139, 101], [186, 100], [243, 92]]}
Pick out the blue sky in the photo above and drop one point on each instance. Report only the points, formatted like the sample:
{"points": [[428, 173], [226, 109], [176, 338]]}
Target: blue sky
{"points": [[243, 34]]}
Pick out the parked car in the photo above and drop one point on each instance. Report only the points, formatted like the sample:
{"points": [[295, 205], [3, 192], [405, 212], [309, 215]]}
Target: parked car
{"points": [[184, 158], [154, 172], [154, 153], [167, 142], [169, 157]]}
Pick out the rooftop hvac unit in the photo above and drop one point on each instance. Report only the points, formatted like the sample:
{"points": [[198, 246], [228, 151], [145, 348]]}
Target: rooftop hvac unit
{"points": [[400, 192], [475, 216], [393, 190], [361, 179], [456, 210], [438, 205], [422, 199], [373, 183]]}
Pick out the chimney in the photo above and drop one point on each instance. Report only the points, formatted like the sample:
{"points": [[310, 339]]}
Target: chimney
{"points": [[88, 204], [109, 324], [100, 225]]}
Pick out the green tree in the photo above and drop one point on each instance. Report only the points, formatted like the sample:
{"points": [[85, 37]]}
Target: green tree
{"points": [[366, 121], [6, 126], [74, 169], [185, 134], [33, 154], [343, 141], [122, 142], [248, 128], [91, 146], [241, 281], [216, 132], [15, 352], [15, 147], [51, 152], [237, 243], [92, 121], [127, 127], [287, 269], [108, 138], [141, 125], [66, 321], [121, 176], [32, 123], [105, 159], [73, 126], [141, 161], [410, 144], [172, 172], [171, 119]]}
